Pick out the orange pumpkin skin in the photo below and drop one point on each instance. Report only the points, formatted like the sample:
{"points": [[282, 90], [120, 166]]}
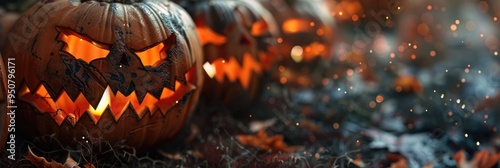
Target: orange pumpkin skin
{"points": [[305, 42], [238, 39], [128, 72]]}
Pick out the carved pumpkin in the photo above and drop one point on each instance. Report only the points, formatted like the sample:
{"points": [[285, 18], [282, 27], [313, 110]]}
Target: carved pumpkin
{"points": [[7, 19], [306, 38], [238, 39], [122, 70]]}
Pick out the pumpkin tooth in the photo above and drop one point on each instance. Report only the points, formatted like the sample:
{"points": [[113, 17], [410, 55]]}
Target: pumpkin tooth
{"points": [[140, 94], [156, 93]]}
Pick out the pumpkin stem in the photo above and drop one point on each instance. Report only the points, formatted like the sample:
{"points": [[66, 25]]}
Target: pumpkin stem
{"points": [[116, 1]]}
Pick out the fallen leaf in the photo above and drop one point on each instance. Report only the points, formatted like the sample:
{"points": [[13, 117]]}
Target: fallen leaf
{"points": [[88, 165], [401, 163], [481, 159], [39, 161], [396, 160], [357, 161], [265, 142], [70, 163]]}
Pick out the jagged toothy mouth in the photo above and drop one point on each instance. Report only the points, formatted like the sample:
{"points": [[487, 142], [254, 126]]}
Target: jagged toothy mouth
{"points": [[63, 106], [221, 68]]}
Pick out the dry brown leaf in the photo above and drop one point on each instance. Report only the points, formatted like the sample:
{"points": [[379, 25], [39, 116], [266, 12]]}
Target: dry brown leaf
{"points": [[263, 141], [481, 159], [88, 165], [401, 163], [358, 162], [39, 161], [70, 163]]}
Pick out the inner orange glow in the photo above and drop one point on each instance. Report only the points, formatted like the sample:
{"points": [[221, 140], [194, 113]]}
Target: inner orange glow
{"points": [[208, 36], [232, 69], [259, 28], [87, 50], [348, 9], [313, 50], [296, 26], [82, 49], [117, 103], [152, 55]]}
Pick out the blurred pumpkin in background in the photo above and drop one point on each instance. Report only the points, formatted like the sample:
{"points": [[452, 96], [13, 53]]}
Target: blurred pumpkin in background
{"points": [[10, 11], [238, 39], [7, 19], [125, 71], [345, 10], [306, 40]]}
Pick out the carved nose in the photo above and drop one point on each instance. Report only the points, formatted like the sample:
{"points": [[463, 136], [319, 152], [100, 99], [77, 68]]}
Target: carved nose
{"points": [[245, 40], [124, 60], [121, 57]]}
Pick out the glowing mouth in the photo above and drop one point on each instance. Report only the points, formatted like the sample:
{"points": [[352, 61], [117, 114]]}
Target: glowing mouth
{"points": [[116, 103], [231, 69]]}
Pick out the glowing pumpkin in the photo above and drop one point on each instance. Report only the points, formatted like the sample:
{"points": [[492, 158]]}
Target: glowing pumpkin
{"points": [[122, 70], [238, 39], [346, 10], [306, 38]]}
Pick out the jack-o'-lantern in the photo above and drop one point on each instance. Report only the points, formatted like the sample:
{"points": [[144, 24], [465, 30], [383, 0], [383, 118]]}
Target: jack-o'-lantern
{"points": [[306, 39], [238, 39], [7, 19], [123, 71]]}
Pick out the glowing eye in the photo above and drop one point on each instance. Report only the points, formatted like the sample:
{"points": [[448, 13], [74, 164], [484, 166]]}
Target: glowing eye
{"points": [[82, 48], [152, 55], [208, 36], [259, 28], [296, 26]]}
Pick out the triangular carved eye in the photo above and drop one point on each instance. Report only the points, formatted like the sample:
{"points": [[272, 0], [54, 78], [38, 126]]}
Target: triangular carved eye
{"points": [[82, 47], [152, 55]]}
